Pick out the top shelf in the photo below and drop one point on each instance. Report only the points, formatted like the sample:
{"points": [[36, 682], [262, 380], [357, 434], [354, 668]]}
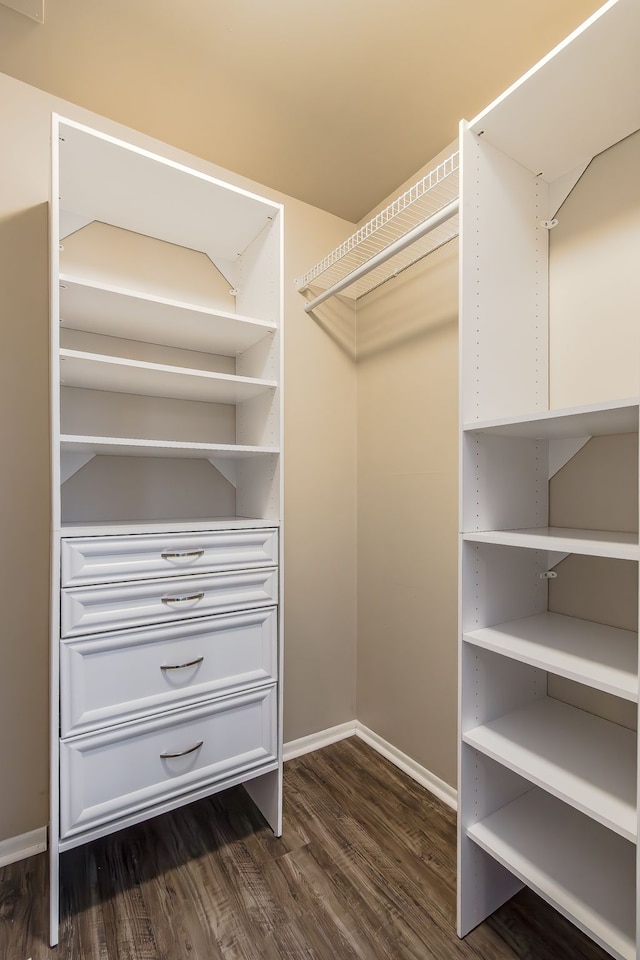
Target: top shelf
{"points": [[587, 88], [362, 252], [105, 179]]}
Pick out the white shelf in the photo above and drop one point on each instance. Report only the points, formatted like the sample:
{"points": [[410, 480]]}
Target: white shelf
{"points": [[98, 528], [97, 372], [580, 868], [588, 762], [588, 421], [591, 543], [105, 179], [117, 312], [579, 100], [126, 447], [602, 657], [360, 253]]}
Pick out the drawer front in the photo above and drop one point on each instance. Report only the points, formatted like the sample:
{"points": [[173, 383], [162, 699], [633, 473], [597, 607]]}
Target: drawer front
{"points": [[126, 769], [89, 609], [129, 674], [86, 560]]}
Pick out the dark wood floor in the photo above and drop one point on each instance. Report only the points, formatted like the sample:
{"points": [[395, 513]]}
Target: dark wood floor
{"points": [[365, 870]]}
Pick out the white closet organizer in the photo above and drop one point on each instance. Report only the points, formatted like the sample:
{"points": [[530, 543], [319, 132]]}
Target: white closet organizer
{"points": [[547, 792], [415, 224], [166, 646]]}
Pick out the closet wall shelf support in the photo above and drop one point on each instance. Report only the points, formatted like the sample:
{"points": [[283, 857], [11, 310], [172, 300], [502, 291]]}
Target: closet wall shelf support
{"points": [[408, 229]]}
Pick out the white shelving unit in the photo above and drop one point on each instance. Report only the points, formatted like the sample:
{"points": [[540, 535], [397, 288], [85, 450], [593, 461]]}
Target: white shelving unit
{"points": [[166, 644], [547, 792]]}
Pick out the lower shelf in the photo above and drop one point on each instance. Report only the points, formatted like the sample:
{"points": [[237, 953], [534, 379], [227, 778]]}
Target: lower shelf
{"points": [[588, 762], [578, 866]]}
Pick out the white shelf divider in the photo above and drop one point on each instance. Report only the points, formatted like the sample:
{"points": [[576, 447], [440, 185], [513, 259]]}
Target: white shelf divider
{"points": [[588, 762], [599, 656], [121, 375], [591, 543], [117, 312], [129, 447], [582, 869]]}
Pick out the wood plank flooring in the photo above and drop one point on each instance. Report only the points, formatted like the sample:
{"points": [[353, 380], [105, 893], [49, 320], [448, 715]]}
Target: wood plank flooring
{"points": [[365, 870]]}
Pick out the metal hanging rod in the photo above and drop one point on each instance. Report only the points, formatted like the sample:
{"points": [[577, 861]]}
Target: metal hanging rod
{"points": [[397, 246], [423, 218]]}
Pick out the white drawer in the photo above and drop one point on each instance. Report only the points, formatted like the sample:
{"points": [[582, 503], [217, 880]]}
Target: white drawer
{"points": [[106, 775], [89, 609], [86, 560], [129, 674]]}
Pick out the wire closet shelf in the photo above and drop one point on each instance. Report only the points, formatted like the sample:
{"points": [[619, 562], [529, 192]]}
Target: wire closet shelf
{"points": [[415, 224]]}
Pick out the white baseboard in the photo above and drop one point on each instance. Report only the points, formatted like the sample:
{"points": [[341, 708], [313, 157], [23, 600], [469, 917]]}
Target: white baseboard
{"points": [[315, 741], [296, 748], [23, 846], [416, 771]]}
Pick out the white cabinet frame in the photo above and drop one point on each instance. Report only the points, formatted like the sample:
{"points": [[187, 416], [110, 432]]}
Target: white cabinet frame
{"points": [[524, 815]]}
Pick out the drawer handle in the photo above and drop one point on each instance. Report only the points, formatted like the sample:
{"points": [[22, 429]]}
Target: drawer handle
{"points": [[182, 753], [183, 599], [181, 554], [182, 666]]}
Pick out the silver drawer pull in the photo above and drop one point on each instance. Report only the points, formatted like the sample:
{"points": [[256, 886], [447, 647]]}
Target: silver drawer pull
{"points": [[181, 554], [182, 666], [182, 753], [184, 598]]}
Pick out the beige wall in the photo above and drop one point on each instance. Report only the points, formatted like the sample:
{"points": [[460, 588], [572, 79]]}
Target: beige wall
{"points": [[320, 408], [407, 511]]}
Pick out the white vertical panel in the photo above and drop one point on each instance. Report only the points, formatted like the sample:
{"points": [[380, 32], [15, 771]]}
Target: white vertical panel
{"points": [[501, 583], [54, 627], [483, 884], [266, 793], [258, 421], [259, 286], [493, 685], [259, 489], [258, 492], [504, 251], [505, 482]]}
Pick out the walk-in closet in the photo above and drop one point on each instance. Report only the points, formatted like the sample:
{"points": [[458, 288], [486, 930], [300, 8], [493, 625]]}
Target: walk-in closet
{"points": [[321, 506]]}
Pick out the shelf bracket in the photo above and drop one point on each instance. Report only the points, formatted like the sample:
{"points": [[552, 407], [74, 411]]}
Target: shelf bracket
{"points": [[34, 9], [228, 469], [70, 463], [563, 450]]}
